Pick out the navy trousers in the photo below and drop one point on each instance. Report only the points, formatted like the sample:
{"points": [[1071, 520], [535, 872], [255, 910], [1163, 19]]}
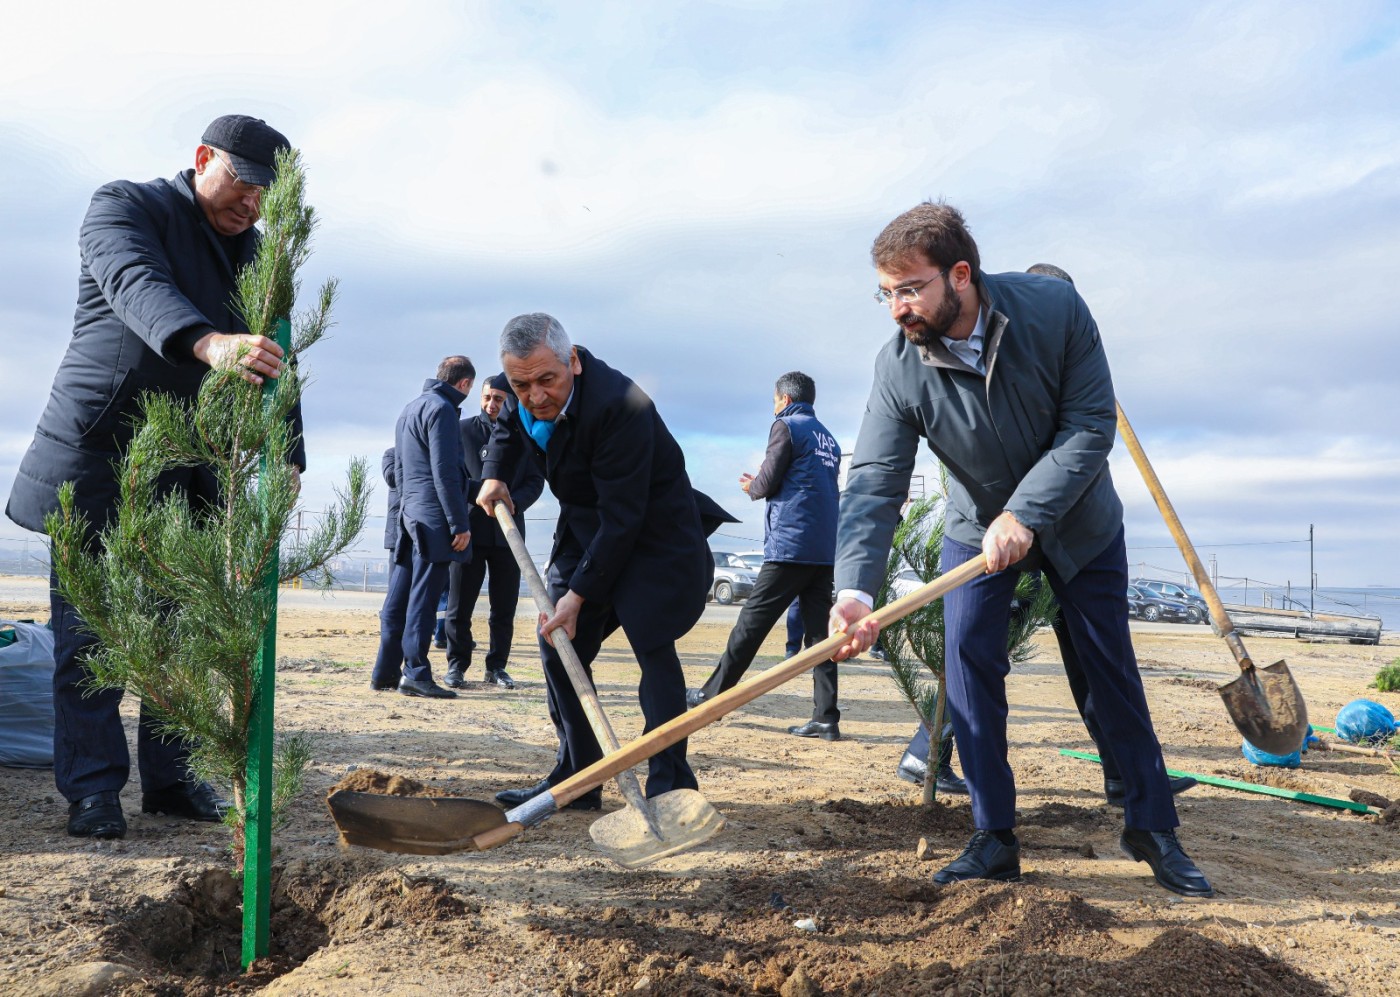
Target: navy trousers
{"points": [[1094, 604], [661, 693], [90, 754], [795, 629], [778, 582], [409, 617], [503, 592]]}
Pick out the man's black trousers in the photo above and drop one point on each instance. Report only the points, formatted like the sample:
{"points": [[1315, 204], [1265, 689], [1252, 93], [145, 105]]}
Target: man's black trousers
{"points": [[503, 591], [778, 584], [661, 692]]}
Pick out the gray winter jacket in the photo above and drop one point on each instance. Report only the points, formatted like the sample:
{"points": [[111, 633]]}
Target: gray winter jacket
{"points": [[1032, 437]]}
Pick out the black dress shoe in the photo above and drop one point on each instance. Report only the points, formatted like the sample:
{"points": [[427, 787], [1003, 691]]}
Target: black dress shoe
{"points": [[984, 858], [499, 676], [455, 679], [198, 802], [515, 797], [379, 686], [693, 698], [97, 816], [1115, 791], [439, 644], [427, 689], [815, 728], [948, 781], [1171, 866]]}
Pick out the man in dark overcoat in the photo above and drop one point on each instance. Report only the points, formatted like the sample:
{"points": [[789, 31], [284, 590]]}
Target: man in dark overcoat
{"points": [[629, 548], [155, 312], [489, 550], [1005, 377], [430, 475]]}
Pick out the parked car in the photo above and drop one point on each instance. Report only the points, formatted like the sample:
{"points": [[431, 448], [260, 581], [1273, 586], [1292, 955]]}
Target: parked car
{"points": [[1196, 602], [904, 582], [751, 558], [733, 578], [1148, 605]]}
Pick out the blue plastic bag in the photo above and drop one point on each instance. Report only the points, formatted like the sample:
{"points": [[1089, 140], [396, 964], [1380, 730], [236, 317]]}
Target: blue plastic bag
{"points": [[1365, 722], [26, 696], [1257, 757]]}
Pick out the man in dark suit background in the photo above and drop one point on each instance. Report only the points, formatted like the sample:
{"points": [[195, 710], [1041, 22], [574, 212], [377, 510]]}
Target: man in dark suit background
{"points": [[489, 550], [629, 548], [434, 528]]}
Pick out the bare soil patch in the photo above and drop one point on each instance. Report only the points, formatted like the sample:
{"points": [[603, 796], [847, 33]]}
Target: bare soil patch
{"points": [[822, 832]]}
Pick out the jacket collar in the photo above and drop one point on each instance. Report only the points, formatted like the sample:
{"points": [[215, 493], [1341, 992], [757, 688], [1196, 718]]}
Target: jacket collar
{"points": [[242, 244], [445, 390], [798, 408]]}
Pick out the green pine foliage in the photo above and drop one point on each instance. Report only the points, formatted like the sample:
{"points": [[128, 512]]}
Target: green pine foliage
{"points": [[914, 645], [178, 593], [1388, 678]]}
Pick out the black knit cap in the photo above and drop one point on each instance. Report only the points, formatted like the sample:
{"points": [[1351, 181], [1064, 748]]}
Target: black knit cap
{"points": [[251, 144]]}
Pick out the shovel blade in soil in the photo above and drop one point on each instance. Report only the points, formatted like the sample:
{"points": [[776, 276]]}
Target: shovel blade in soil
{"points": [[1268, 708], [412, 825], [684, 817]]}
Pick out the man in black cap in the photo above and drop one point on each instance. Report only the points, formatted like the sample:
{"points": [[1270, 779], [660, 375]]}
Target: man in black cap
{"points": [[155, 312], [489, 549]]}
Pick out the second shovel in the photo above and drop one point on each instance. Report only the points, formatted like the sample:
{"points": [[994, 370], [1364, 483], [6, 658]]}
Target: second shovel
{"points": [[636, 832]]}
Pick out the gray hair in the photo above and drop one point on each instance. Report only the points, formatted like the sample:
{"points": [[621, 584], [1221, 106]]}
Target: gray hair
{"points": [[524, 334], [1050, 270]]}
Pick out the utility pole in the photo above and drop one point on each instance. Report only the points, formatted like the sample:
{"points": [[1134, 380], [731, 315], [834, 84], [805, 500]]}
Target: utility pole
{"points": [[1214, 573], [1312, 575]]}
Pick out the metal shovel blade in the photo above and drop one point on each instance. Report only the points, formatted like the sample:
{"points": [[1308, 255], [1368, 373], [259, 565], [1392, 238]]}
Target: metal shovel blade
{"points": [[683, 816], [412, 825], [1267, 708]]}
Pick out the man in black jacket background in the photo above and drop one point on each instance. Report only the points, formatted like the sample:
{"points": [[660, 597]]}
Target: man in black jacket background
{"points": [[489, 550], [155, 312]]}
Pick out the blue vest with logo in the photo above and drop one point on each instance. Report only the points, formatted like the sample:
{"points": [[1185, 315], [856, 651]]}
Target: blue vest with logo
{"points": [[800, 521]]}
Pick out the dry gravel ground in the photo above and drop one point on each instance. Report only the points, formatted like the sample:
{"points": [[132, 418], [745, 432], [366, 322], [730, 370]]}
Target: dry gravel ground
{"points": [[1308, 898]]}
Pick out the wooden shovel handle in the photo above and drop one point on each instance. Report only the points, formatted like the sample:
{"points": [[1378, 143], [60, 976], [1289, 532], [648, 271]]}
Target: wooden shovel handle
{"points": [[1218, 615], [710, 710], [582, 684]]}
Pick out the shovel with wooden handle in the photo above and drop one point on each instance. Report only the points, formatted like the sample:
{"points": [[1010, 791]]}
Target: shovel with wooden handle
{"points": [[635, 831], [1265, 703], [436, 826]]}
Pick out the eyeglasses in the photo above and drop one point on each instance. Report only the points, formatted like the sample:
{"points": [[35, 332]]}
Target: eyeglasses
{"points": [[241, 185], [906, 293]]}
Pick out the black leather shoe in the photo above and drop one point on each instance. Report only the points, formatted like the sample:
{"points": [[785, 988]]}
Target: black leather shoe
{"points": [[500, 677], [427, 690], [693, 698], [441, 645], [455, 679], [383, 686], [1171, 866], [948, 781], [1115, 791], [815, 728], [198, 802], [984, 858], [97, 816], [515, 797]]}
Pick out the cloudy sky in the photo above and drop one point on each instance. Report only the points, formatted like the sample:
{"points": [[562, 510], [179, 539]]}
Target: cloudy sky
{"points": [[693, 189]]}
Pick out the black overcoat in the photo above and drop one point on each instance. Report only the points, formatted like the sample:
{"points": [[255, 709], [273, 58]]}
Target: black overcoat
{"points": [[525, 487], [627, 512], [155, 277]]}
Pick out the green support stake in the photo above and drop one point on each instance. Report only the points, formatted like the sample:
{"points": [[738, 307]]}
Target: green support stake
{"points": [[257, 828], [1248, 787]]}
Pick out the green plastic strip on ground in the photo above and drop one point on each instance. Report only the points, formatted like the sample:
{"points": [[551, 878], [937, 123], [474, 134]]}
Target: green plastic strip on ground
{"points": [[1247, 787]]}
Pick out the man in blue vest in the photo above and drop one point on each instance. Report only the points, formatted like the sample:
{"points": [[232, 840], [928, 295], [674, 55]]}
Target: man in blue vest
{"points": [[798, 478]]}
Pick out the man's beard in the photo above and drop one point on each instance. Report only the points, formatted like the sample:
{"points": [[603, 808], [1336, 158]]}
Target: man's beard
{"points": [[925, 332]]}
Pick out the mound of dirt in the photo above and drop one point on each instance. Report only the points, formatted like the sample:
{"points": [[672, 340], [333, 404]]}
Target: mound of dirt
{"points": [[374, 781]]}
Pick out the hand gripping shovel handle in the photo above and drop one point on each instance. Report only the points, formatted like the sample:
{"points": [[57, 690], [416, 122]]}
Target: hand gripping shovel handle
{"points": [[1218, 615], [711, 710], [588, 696]]}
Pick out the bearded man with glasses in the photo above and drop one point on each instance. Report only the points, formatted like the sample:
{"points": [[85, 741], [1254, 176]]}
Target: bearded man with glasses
{"points": [[155, 313], [1005, 377]]}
